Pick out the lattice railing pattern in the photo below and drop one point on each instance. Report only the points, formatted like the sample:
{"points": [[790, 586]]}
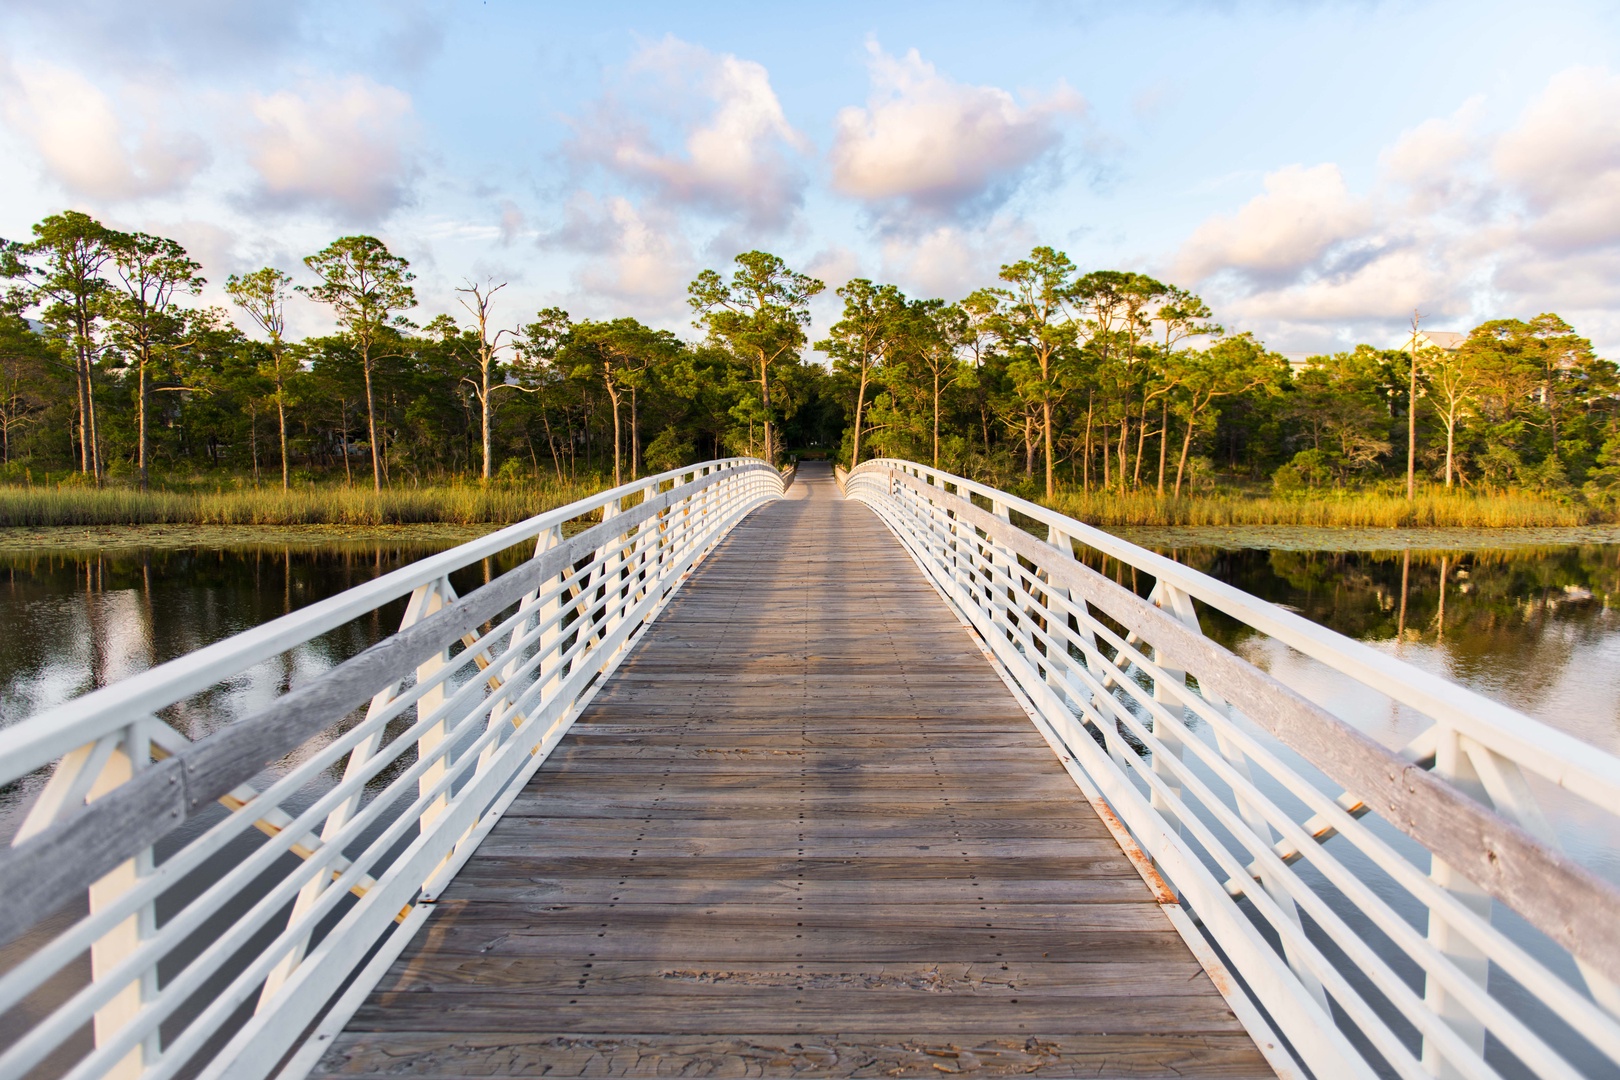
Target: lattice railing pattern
{"points": [[225, 889], [1385, 911]]}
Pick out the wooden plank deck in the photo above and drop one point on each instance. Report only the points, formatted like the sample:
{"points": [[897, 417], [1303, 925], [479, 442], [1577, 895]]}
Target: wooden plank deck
{"points": [[805, 830]]}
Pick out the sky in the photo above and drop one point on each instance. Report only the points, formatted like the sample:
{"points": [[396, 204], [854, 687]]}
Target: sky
{"points": [[1315, 170]]}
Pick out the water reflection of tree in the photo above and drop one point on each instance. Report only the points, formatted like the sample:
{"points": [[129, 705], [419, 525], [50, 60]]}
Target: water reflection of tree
{"points": [[1521, 609], [67, 612], [186, 598], [1514, 613]]}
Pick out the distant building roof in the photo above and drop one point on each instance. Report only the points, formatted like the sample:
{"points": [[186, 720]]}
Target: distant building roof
{"points": [[1448, 340]]}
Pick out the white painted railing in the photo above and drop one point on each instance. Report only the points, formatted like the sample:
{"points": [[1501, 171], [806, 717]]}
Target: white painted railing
{"points": [[1385, 912], [217, 938]]}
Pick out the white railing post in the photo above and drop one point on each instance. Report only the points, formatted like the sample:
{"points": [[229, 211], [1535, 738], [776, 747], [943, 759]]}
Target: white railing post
{"points": [[505, 672], [123, 939], [1505, 784], [1057, 653], [647, 541], [1179, 606], [1001, 603], [439, 595], [550, 616], [85, 775], [416, 608], [962, 539], [1454, 765]]}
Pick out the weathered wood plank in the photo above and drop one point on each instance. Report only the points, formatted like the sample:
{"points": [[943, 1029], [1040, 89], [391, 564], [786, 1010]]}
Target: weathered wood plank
{"points": [[828, 825], [976, 921], [433, 1054], [625, 977], [651, 866], [510, 884], [801, 1012], [930, 847], [805, 815], [986, 812]]}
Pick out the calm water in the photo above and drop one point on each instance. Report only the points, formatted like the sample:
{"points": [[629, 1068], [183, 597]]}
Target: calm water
{"points": [[75, 621], [1536, 626], [1531, 621]]}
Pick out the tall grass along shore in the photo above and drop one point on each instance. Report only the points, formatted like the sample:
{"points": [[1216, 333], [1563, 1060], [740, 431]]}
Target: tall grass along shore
{"points": [[1350, 510], [455, 505], [473, 504]]}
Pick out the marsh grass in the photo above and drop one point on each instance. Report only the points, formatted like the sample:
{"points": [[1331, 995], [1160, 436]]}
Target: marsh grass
{"points": [[453, 505], [1348, 510]]}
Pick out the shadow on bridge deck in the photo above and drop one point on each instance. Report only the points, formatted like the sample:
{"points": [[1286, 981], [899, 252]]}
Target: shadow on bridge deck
{"points": [[804, 830]]}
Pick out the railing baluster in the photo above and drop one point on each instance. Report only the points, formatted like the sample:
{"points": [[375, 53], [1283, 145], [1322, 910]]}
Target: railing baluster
{"points": [[439, 594], [550, 611], [415, 609], [1057, 652], [85, 775], [1453, 764], [132, 755], [1505, 785], [1179, 606]]}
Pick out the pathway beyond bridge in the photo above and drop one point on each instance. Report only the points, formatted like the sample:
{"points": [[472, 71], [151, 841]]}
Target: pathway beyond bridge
{"points": [[804, 828]]}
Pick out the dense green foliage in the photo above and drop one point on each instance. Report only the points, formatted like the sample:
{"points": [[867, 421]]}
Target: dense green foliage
{"points": [[1086, 386]]}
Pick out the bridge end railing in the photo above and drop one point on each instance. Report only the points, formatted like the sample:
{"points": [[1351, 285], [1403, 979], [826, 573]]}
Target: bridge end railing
{"points": [[1411, 911], [223, 890]]}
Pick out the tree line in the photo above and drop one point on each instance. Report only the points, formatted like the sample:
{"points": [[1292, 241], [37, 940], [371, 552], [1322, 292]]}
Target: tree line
{"points": [[1102, 381]]}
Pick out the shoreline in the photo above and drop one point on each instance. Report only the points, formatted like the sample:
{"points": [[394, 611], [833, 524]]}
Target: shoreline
{"points": [[1366, 538], [51, 539], [44, 539]]}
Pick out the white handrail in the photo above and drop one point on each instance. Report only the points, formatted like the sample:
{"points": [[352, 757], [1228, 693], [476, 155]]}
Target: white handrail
{"points": [[24, 748], [465, 702], [1235, 785]]}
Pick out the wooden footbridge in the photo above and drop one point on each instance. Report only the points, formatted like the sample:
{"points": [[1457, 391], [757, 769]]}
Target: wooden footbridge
{"points": [[745, 775]]}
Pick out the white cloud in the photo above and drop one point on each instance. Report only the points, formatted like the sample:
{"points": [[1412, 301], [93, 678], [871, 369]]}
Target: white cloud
{"points": [[950, 261], [1564, 160], [1438, 162], [1390, 284], [737, 155], [1303, 213], [1311, 265], [180, 35], [341, 145], [513, 221], [635, 254], [85, 142], [1459, 224], [926, 143], [834, 266]]}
